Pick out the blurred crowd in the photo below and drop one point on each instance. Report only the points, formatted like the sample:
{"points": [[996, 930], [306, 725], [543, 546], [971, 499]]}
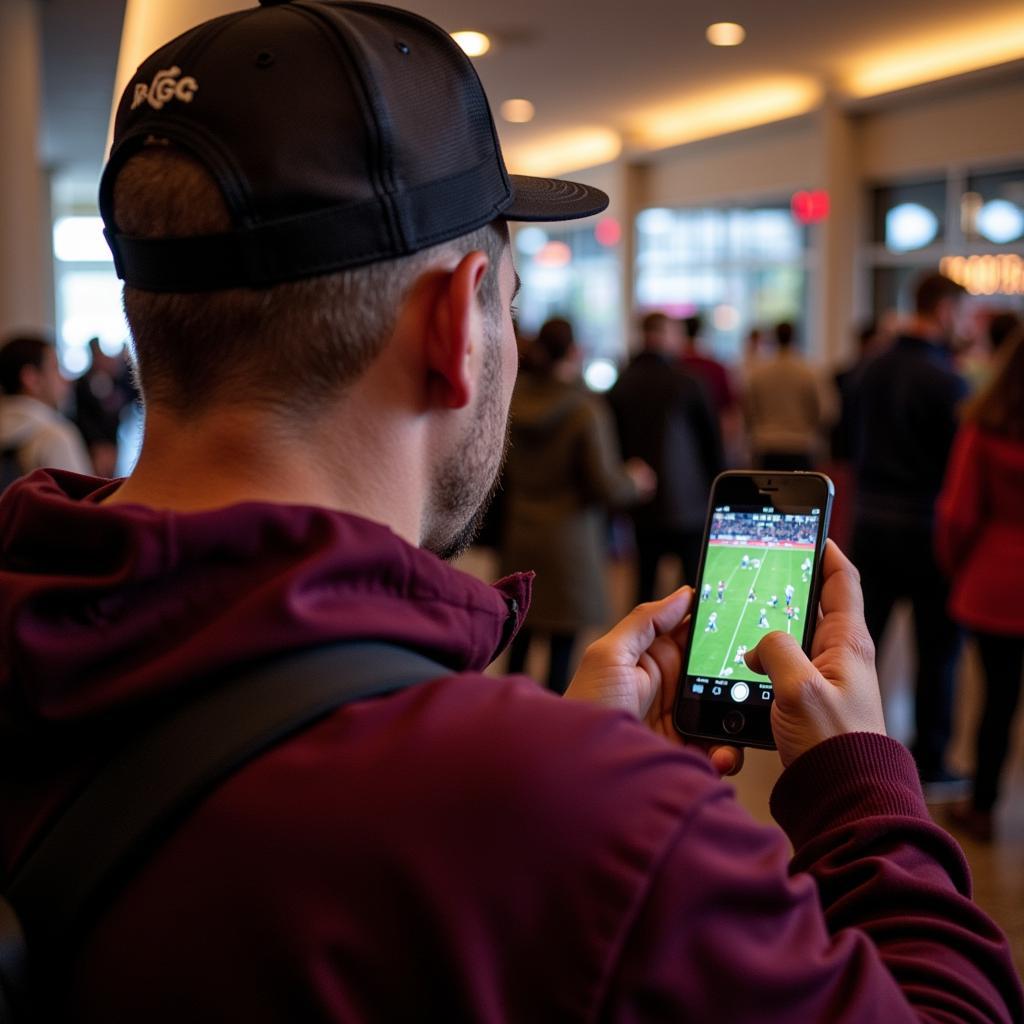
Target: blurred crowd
{"points": [[48, 421], [922, 431]]}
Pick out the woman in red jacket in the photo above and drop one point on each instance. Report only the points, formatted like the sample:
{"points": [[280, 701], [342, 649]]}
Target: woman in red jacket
{"points": [[980, 543]]}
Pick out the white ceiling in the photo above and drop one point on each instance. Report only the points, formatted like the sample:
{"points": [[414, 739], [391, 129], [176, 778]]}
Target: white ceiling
{"points": [[625, 71]]}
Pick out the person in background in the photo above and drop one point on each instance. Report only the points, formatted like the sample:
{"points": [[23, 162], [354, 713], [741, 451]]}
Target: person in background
{"points": [[784, 408], [871, 340], [904, 412], [752, 355], [979, 540], [102, 394], [563, 472], [717, 382], [33, 431], [1002, 327], [664, 417], [712, 373]]}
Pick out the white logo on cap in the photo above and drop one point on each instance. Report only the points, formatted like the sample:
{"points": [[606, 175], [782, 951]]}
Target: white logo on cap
{"points": [[166, 87]]}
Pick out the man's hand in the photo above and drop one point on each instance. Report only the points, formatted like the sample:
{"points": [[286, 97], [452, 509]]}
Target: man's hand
{"points": [[837, 691], [635, 667]]}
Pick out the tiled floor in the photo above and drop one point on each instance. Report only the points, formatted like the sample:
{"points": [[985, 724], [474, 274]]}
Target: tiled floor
{"points": [[998, 867]]}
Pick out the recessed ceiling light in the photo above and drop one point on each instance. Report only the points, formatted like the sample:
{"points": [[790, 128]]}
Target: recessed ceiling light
{"points": [[517, 111], [726, 33], [475, 44]]}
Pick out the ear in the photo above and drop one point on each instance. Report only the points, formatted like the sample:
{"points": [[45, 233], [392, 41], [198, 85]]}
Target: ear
{"points": [[456, 326]]}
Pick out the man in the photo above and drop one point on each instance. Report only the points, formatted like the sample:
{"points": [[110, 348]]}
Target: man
{"points": [[711, 372], [664, 418], [473, 847], [904, 410], [33, 431], [712, 626], [784, 408]]}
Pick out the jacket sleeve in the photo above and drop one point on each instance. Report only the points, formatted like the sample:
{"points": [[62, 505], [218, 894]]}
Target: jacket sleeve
{"points": [[871, 920], [959, 510], [604, 477]]}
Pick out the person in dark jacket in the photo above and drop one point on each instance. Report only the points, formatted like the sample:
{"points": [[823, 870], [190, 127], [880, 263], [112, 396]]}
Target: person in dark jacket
{"points": [[325, 414], [664, 417], [904, 419], [563, 473]]}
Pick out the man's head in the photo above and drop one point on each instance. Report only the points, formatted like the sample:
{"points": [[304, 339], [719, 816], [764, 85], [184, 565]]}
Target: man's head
{"points": [[784, 335], [283, 183], [660, 333], [28, 366], [693, 326], [937, 303], [291, 346]]}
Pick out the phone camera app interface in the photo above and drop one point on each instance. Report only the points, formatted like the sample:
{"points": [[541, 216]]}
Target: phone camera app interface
{"points": [[757, 578]]}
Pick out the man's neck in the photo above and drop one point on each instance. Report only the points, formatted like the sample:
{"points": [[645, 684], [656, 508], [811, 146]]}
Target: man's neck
{"points": [[250, 455]]}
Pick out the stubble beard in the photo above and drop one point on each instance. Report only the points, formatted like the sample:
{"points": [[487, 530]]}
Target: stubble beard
{"points": [[469, 478]]}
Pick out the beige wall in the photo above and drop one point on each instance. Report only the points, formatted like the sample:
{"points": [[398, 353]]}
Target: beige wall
{"points": [[981, 123], [771, 161]]}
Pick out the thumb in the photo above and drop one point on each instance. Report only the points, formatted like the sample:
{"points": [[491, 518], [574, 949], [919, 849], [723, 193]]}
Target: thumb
{"points": [[781, 658], [638, 630]]}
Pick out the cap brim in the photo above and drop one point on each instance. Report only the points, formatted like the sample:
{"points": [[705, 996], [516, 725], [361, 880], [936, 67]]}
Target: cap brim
{"points": [[552, 199]]}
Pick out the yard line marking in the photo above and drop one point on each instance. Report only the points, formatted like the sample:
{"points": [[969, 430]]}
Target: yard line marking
{"points": [[746, 605]]}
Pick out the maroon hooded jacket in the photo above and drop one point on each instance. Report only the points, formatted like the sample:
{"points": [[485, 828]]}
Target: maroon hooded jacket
{"points": [[469, 849]]}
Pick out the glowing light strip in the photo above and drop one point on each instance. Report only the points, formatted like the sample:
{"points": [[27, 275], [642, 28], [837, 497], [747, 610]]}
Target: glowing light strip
{"points": [[705, 116], [968, 47], [1001, 274]]}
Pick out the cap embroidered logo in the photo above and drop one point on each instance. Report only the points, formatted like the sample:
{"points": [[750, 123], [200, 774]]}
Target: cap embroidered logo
{"points": [[165, 88]]}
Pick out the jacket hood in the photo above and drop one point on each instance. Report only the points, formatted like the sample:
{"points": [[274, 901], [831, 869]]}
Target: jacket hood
{"points": [[540, 404], [106, 608]]}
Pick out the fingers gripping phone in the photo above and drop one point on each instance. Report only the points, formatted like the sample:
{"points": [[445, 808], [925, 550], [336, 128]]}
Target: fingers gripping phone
{"points": [[760, 570]]}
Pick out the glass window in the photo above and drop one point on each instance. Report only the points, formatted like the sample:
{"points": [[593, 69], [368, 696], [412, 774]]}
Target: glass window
{"points": [[573, 273], [993, 208], [88, 292], [909, 217], [739, 268]]}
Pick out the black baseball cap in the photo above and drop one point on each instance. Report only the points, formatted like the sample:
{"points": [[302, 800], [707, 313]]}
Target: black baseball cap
{"points": [[340, 134]]}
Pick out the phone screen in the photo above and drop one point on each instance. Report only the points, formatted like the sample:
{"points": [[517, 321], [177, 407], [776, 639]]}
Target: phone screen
{"points": [[757, 577]]}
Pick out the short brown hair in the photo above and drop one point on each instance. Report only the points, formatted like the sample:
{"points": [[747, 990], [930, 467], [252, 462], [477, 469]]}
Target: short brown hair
{"points": [[998, 407], [15, 354], [294, 343], [931, 289]]}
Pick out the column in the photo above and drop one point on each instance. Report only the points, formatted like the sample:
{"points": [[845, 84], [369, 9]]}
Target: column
{"points": [[26, 273]]}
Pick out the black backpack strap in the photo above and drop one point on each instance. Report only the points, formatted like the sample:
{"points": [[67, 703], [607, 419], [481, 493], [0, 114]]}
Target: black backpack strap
{"points": [[148, 787]]}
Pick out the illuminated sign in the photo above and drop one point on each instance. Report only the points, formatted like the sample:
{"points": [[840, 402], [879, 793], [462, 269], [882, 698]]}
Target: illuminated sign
{"points": [[810, 207], [1002, 274]]}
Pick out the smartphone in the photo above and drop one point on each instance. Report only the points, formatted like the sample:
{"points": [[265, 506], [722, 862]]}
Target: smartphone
{"points": [[760, 570]]}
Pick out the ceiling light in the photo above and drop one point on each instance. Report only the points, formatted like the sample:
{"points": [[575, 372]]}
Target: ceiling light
{"points": [[707, 114], [517, 111], [564, 152], [474, 44], [726, 33]]}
